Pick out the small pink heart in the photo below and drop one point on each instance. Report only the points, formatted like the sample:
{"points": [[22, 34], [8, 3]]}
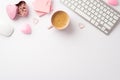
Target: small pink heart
{"points": [[12, 11], [113, 2], [27, 29]]}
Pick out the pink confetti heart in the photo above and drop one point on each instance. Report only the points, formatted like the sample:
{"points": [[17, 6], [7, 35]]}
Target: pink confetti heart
{"points": [[113, 2], [27, 29]]}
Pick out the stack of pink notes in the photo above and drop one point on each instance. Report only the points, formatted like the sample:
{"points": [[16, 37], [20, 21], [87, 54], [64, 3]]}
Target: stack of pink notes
{"points": [[42, 7]]}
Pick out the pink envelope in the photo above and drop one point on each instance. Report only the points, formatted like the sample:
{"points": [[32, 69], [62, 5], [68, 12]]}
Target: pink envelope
{"points": [[42, 5], [39, 13]]}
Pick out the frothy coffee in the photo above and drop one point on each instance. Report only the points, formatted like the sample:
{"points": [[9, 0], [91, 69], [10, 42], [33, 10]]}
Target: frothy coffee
{"points": [[60, 19]]}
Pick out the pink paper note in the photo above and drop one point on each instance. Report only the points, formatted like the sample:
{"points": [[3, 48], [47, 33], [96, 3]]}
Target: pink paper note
{"points": [[39, 13], [42, 5]]}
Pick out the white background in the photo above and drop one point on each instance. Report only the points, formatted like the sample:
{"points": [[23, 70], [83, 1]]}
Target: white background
{"points": [[72, 54]]}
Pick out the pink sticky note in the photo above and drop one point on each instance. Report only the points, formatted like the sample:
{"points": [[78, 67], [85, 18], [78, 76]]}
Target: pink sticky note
{"points": [[39, 13], [42, 5]]}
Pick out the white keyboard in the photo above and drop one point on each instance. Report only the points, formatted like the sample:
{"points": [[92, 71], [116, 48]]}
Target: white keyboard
{"points": [[96, 12]]}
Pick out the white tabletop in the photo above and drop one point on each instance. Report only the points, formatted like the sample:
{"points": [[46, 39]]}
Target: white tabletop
{"points": [[72, 54]]}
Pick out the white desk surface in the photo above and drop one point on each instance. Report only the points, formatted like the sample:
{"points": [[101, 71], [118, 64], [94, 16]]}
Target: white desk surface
{"points": [[72, 54]]}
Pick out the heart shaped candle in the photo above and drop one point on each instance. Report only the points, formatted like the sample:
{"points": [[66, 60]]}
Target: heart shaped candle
{"points": [[20, 9], [12, 11]]}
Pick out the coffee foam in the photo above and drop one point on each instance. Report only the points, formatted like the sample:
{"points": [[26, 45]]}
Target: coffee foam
{"points": [[60, 19]]}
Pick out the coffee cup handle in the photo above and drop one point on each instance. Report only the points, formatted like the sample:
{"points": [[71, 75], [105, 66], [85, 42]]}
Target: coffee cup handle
{"points": [[50, 27]]}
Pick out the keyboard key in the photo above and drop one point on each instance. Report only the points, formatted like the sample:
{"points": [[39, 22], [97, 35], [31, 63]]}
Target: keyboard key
{"points": [[101, 7], [88, 13], [104, 14], [110, 23], [98, 20], [114, 21], [95, 3], [69, 4], [99, 16], [107, 16], [111, 14], [83, 4], [79, 6], [66, 2], [82, 14], [72, 1], [104, 9], [99, 27], [85, 11], [116, 18], [72, 7], [93, 21], [103, 28], [102, 22], [101, 12], [82, 8], [91, 5], [87, 2], [97, 9], [106, 20], [94, 7], [103, 18], [92, 15], [79, 2], [84, 0], [107, 26], [106, 31], [89, 9], [96, 24], [96, 13], [92, 1], [75, 3], [98, 5], [95, 17]]}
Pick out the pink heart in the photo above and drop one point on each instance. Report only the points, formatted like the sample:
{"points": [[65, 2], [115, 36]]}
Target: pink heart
{"points": [[27, 29], [113, 2], [12, 11]]}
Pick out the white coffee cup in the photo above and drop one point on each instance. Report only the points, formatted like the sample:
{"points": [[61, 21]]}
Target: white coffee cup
{"points": [[60, 20]]}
